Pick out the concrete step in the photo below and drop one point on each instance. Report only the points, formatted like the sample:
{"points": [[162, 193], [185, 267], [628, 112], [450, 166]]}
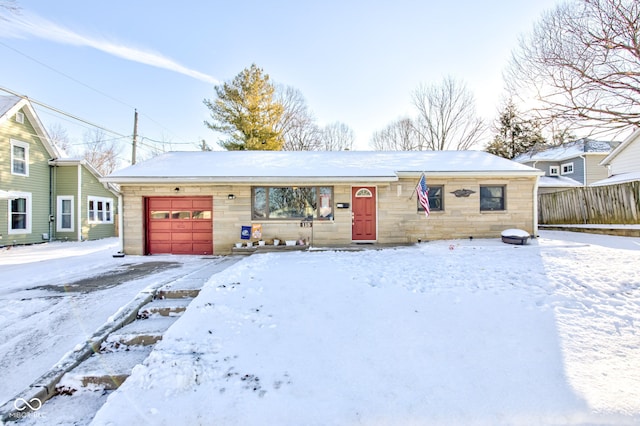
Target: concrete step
{"points": [[141, 332], [170, 293], [102, 371], [164, 307]]}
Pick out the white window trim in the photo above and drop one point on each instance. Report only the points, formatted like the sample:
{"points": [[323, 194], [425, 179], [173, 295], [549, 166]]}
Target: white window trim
{"points": [[95, 201], [566, 165], [20, 117], [59, 227], [24, 145], [10, 231], [554, 171]]}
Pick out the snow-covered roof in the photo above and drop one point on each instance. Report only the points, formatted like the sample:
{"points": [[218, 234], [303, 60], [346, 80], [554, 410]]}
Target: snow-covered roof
{"points": [[234, 166], [566, 151], [557, 182], [621, 178]]}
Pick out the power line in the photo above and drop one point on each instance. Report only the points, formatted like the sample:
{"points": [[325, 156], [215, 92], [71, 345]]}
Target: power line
{"points": [[75, 117], [66, 75], [75, 80]]}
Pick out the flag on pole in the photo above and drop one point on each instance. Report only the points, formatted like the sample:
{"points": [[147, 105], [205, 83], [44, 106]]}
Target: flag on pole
{"points": [[423, 194]]}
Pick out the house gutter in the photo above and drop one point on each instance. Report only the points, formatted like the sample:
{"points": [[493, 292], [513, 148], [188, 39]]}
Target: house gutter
{"points": [[120, 223], [320, 179], [79, 221]]}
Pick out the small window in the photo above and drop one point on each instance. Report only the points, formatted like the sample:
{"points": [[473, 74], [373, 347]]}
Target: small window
{"points": [[436, 200], [364, 193], [65, 214], [19, 158], [20, 214], [492, 198], [20, 117], [100, 210], [554, 171], [567, 168]]}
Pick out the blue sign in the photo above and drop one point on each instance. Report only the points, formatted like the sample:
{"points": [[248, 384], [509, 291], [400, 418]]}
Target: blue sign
{"points": [[245, 234]]}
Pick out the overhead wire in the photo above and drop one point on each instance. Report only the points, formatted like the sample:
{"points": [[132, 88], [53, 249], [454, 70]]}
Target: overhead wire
{"points": [[75, 80]]}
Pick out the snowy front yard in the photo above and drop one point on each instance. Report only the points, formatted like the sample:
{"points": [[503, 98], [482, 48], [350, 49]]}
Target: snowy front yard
{"points": [[449, 332]]}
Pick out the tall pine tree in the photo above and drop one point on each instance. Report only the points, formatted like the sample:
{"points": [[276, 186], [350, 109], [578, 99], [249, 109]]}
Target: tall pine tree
{"points": [[514, 134], [247, 111]]}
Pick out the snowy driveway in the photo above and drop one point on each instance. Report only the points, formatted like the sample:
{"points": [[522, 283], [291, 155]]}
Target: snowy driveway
{"points": [[54, 296]]}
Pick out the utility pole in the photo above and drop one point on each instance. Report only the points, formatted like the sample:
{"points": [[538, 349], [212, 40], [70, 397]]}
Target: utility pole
{"points": [[135, 137]]}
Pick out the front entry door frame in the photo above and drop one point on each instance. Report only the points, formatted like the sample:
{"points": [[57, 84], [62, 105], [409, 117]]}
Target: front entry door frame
{"points": [[364, 214]]}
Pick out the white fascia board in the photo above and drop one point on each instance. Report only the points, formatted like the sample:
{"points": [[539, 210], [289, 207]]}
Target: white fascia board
{"points": [[245, 179], [502, 173]]}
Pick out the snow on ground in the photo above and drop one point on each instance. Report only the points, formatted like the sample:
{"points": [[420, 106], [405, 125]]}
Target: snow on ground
{"points": [[39, 325], [446, 332]]}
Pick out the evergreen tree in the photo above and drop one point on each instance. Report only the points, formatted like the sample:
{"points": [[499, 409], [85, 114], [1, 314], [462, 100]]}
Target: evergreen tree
{"points": [[515, 134], [247, 111]]}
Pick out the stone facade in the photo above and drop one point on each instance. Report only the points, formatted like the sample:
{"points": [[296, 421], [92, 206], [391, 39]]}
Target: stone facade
{"points": [[398, 218]]}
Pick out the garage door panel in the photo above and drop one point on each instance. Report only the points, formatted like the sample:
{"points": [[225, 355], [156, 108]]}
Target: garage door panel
{"points": [[159, 203], [201, 236], [181, 204], [157, 247], [155, 225], [180, 225], [202, 204], [201, 226]]}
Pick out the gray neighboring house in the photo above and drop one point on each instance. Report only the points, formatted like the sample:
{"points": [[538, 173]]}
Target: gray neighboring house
{"points": [[570, 165]]}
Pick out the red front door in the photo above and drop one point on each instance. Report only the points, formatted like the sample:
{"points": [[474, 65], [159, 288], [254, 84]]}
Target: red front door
{"points": [[363, 209]]}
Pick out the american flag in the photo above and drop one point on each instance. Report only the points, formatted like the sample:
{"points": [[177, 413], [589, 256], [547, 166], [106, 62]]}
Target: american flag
{"points": [[423, 194]]}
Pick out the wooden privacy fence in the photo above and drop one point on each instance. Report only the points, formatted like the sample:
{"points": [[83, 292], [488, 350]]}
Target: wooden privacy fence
{"points": [[611, 204]]}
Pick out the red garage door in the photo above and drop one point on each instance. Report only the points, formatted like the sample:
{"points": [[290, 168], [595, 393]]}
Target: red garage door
{"points": [[179, 225]]}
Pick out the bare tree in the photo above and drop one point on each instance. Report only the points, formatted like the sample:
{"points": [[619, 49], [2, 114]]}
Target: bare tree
{"points": [[297, 124], [59, 137], [401, 135], [336, 137], [10, 6], [582, 63], [101, 152], [446, 116]]}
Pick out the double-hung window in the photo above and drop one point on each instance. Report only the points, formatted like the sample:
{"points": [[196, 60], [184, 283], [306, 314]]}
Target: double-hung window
{"points": [[492, 198], [19, 158], [100, 210], [20, 214], [436, 200], [65, 214], [567, 168], [292, 202]]}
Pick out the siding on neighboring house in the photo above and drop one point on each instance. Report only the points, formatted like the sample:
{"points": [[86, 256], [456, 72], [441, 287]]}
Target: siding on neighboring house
{"points": [[66, 183], [91, 187], [595, 171], [35, 183], [628, 161]]}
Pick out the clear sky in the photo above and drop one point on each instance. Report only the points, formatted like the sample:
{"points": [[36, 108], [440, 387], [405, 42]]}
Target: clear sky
{"points": [[356, 62]]}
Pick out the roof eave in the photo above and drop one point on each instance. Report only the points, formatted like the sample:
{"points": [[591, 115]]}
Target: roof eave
{"points": [[242, 179]]}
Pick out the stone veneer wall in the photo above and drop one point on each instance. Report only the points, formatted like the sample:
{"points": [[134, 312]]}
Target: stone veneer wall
{"points": [[398, 218]]}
